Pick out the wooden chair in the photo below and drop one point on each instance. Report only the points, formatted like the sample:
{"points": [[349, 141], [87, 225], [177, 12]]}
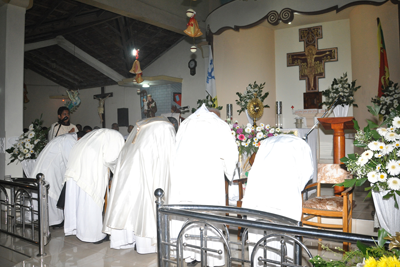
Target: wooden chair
{"points": [[329, 206]]}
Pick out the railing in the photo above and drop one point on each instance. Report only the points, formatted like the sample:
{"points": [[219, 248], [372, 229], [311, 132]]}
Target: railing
{"points": [[278, 228], [24, 212]]}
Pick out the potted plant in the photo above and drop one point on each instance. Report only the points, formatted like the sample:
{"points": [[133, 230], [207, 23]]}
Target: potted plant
{"points": [[342, 91], [389, 100], [380, 165]]}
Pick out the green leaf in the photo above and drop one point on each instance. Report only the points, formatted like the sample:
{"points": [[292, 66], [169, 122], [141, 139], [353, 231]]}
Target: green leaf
{"points": [[361, 181], [382, 233], [352, 156], [344, 159], [375, 134], [356, 126], [361, 246], [369, 195], [372, 124], [388, 195]]}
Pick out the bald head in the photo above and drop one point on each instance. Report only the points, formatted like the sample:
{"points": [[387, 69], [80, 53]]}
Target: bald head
{"points": [[215, 111]]}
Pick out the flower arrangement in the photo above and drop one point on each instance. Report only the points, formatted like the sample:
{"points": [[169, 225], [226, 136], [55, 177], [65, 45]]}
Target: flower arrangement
{"points": [[253, 90], [340, 87], [248, 138], [30, 144], [208, 101], [375, 256], [380, 162], [389, 100]]}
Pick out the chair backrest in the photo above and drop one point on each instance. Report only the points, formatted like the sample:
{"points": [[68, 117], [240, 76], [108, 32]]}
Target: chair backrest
{"points": [[332, 174]]}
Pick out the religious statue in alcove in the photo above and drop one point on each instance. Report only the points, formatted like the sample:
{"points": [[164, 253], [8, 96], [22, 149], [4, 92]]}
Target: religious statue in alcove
{"points": [[151, 107], [312, 63]]}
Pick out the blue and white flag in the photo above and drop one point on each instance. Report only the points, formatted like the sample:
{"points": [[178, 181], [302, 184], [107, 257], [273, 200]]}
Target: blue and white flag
{"points": [[210, 79]]}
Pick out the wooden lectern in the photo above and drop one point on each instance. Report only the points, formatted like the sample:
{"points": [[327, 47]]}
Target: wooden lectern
{"points": [[338, 125]]}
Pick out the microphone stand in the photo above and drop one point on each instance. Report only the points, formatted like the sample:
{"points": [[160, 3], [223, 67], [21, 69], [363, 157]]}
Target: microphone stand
{"points": [[328, 111]]}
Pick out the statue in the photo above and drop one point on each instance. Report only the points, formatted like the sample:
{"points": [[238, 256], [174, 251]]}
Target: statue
{"points": [[74, 102], [100, 109]]}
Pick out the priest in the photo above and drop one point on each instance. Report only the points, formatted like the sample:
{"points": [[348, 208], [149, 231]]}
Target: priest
{"points": [[143, 166], [63, 125], [205, 152], [282, 168], [87, 178], [52, 162]]}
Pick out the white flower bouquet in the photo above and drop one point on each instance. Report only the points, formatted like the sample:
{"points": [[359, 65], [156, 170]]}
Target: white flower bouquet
{"points": [[340, 87], [253, 90], [29, 144], [208, 101], [380, 162], [389, 100]]}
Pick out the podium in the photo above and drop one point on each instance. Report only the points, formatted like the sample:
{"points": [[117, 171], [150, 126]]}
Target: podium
{"points": [[338, 125]]}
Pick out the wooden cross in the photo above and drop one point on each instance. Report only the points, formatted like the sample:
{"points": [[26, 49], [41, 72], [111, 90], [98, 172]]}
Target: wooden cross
{"points": [[312, 60], [102, 109]]}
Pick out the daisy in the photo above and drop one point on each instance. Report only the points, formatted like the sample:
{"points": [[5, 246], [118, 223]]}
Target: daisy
{"points": [[31, 127], [394, 183], [278, 130], [392, 129], [396, 122], [267, 127], [248, 130], [387, 149], [249, 125], [246, 145], [378, 167], [374, 145], [367, 154], [397, 144], [25, 151], [27, 155], [233, 133], [258, 144], [382, 131], [254, 144], [37, 141], [393, 167], [381, 146], [20, 157], [255, 139], [391, 136], [260, 135], [31, 151], [258, 129], [272, 130], [382, 177], [361, 161], [372, 177], [262, 125], [31, 134], [237, 143]]}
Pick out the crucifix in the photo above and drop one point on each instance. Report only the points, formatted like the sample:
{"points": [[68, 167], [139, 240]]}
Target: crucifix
{"points": [[101, 109], [312, 63]]}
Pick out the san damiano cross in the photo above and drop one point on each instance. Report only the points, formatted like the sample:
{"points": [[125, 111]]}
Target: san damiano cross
{"points": [[312, 60]]}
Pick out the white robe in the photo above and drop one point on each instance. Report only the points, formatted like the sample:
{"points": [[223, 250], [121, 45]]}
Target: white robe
{"points": [[52, 162], [88, 167], [205, 151], [63, 130], [282, 167], [143, 166]]}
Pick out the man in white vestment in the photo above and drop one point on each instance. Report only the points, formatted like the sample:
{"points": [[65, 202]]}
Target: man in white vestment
{"points": [[143, 166], [63, 125], [52, 162], [282, 168], [205, 152], [87, 178]]}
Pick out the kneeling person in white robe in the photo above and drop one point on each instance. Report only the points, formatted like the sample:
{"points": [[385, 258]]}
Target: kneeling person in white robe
{"points": [[52, 162], [281, 170], [87, 178], [205, 151], [143, 166]]}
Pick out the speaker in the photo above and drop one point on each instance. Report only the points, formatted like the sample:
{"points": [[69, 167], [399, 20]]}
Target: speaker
{"points": [[123, 117]]}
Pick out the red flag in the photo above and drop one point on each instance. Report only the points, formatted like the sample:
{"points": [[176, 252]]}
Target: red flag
{"points": [[383, 62]]}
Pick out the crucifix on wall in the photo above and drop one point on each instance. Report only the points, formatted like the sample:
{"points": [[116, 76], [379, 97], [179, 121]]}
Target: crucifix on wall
{"points": [[312, 63], [101, 109]]}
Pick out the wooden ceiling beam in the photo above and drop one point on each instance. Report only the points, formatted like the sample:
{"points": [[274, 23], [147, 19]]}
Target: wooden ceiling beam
{"points": [[54, 6]]}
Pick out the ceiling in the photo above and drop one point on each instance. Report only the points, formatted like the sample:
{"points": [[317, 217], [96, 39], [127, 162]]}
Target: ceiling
{"points": [[96, 43]]}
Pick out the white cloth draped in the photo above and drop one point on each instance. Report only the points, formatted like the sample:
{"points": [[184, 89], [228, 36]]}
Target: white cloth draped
{"points": [[87, 180], [142, 167], [52, 162], [63, 130], [205, 151], [281, 169]]}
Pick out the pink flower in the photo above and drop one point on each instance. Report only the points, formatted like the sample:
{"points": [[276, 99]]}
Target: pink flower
{"points": [[241, 137], [270, 134], [239, 131]]}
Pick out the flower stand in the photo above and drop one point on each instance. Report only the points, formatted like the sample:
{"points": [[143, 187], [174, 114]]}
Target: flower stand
{"points": [[27, 166], [341, 111], [388, 215]]}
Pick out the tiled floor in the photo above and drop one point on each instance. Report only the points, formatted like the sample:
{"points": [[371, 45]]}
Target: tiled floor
{"points": [[69, 251]]}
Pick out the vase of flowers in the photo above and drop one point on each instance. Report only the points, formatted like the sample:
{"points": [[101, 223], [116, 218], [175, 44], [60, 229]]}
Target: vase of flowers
{"points": [[343, 92], [389, 100], [380, 165], [29, 146], [252, 91]]}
